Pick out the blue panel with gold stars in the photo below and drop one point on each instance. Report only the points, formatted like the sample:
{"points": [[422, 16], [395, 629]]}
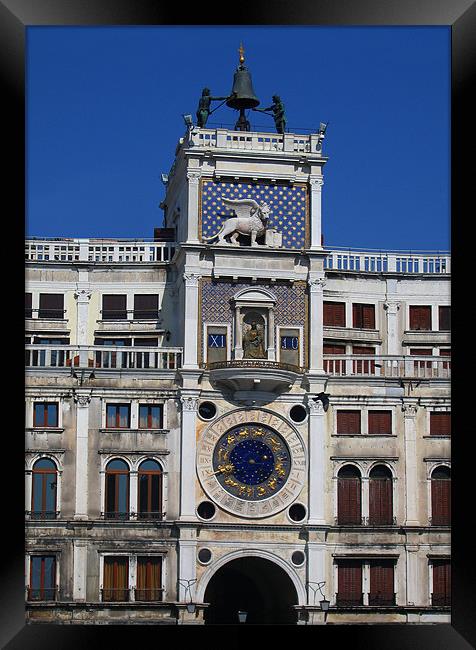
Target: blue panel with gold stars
{"points": [[287, 202]]}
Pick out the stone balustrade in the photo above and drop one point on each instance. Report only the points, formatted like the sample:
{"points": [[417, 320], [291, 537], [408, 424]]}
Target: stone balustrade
{"points": [[388, 261], [98, 250], [222, 138], [407, 366]]}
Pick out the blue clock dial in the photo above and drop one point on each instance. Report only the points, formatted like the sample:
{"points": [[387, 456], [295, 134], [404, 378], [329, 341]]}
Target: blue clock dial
{"points": [[251, 462]]}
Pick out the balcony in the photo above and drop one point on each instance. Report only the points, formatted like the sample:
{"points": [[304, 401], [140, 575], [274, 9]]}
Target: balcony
{"points": [[409, 367], [98, 250], [349, 600], [253, 381], [382, 600], [102, 357], [375, 261], [42, 594]]}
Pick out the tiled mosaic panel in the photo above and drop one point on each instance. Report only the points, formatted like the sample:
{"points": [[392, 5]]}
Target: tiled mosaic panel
{"points": [[287, 203], [290, 306]]}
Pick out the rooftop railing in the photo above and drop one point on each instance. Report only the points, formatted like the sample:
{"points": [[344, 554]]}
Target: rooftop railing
{"points": [[98, 250], [426, 262], [223, 138]]}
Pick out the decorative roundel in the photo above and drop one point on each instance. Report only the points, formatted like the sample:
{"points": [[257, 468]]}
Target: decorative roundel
{"points": [[298, 558], [298, 413], [297, 512], [204, 555], [251, 463], [206, 510], [207, 410]]}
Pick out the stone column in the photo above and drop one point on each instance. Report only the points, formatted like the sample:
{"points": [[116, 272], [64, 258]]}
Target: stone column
{"points": [[316, 574], [411, 482], [193, 178], [82, 399], [412, 577], [238, 335], [365, 498], [317, 463], [316, 184], [271, 343], [188, 456], [316, 327], [82, 295], [190, 352], [393, 340], [80, 565]]}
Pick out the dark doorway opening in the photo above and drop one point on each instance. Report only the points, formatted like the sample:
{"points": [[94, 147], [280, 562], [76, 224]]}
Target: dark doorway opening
{"points": [[253, 585]]}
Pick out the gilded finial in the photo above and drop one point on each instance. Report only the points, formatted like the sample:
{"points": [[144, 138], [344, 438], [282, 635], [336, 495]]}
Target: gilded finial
{"points": [[242, 54]]}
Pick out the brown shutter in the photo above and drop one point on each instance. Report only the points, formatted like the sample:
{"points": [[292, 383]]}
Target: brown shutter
{"points": [[146, 306], [334, 314], [363, 367], [441, 501], [444, 317], [380, 422], [380, 501], [368, 317], [28, 304], [381, 582], [440, 424], [114, 307], [51, 305], [149, 578], [441, 582], [349, 574], [348, 501], [420, 317], [348, 422], [337, 366], [116, 579], [356, 315]]}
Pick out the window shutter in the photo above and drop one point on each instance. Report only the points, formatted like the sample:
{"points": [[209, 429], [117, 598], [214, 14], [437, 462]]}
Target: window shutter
{"points": [[334, 314], [114, 307], [348, 422], [441, 582], [381, 582], [146, 306], [420, 317], [380, 422], [51, 305], [368, 317], [337, 366], [444, 317], [356, 315], [363, 367], [380, 501], [28, 305], [440, 502], [349, 575], [348, 501], [440, 424]]}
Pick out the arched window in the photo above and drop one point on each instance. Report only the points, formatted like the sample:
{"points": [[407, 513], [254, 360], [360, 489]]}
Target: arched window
{"points": [[441, 496], [117, 490], [380, 496], [150, 490], [43, 492], [349, 496]]}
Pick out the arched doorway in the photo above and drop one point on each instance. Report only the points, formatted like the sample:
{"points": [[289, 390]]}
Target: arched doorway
{"points": [[254, 585]]}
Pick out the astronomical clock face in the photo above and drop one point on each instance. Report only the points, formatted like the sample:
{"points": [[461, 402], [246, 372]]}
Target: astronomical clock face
{"points": [[251, 463]]}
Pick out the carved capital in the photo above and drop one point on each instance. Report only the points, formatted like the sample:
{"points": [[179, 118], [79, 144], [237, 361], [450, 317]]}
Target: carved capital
{"points": [[391, 306], [193, 177], [410, 410], [82, 399], [316, 284], [189, 403], [316, 407], [83, 295], [191, 279], [316, 183]]}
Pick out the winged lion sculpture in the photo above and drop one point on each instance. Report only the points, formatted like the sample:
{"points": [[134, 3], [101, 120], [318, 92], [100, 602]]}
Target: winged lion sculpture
{"points": [[250, 219]]}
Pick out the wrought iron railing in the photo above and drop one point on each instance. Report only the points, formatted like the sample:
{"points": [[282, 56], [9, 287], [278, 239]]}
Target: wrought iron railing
{"points": [[349, 600], [148, 594], [115, 594], [382, 599], [441, 600], [42, 593], [46, 514]]}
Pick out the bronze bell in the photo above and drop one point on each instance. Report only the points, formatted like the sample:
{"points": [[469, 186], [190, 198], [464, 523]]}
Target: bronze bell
{"points": [[243, 87]]}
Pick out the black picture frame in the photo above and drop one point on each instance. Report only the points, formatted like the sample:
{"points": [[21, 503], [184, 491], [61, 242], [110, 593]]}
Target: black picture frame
{"points": [[15, 17]]}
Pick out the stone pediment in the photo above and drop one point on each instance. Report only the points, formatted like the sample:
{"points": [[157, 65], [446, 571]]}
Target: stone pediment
{"points": [[254, 295]]}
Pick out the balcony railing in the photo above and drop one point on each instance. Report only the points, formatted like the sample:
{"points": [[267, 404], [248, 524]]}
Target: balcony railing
{"points": [[382, 600], [261, 364], [98, 250], [42, 593], [134, 516], [415, 262], [441, 600], [363, 521], [148, 595], [412, 367], [45, 515], [116, 594], [224, 138], [102, 357], [349, 600]]}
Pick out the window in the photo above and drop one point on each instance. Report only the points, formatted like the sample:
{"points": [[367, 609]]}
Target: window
{"points": [[441, 497], [151, 416], [28, 305], [56, 358], [380, 423], [51, 305], [440, 423], [382, 583], [349, 583], [421, 352], [45, 414], [445, 352], [42, 577], [43, 489], [334, 314], [444, 318], [348, 422], [380, 496], [150, 490], [149, 579], [114, 307], [146, 306], [349, 496], [441, 595], [118, 416], [117, 490], [363, 316], [116, 579], [366, 366], [420, 317], [334, 366]]}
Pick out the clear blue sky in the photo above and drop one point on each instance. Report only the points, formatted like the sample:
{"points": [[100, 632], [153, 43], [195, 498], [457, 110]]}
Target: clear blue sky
{"points": [[105, 105]]}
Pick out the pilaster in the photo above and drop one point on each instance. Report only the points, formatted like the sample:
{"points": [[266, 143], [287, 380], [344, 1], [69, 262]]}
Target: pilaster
{"points": [[189, 402], [411, 485], [80, 555], [82, 400], [317, 463], [316, 184], [393, 340], [193, 178], [190, 353], [316, 326]]}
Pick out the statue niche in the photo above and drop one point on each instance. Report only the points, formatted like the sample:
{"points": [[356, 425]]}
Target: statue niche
{"points": [[254, 337]]}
